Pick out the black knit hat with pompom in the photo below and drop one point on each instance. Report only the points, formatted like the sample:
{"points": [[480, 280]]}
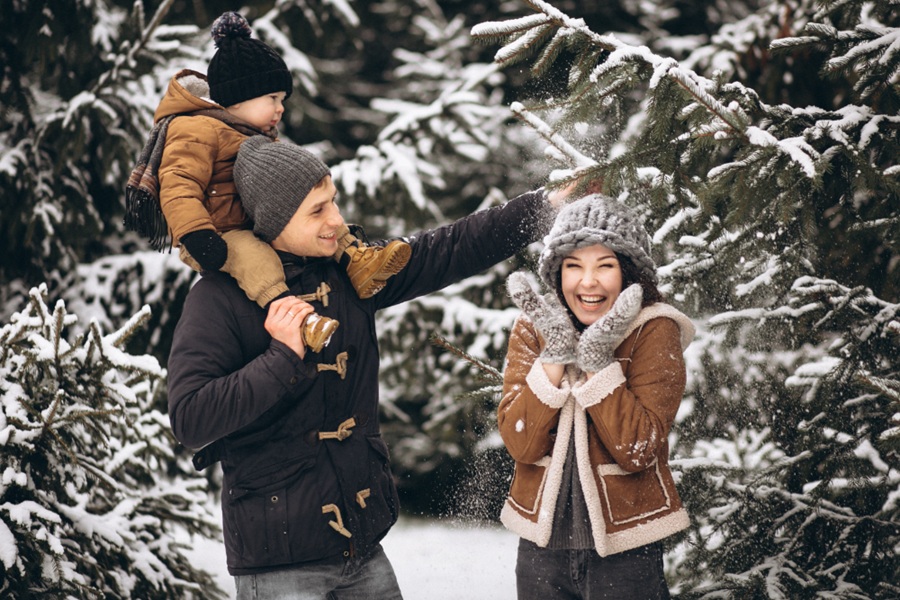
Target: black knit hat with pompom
{"points": [[243, 68]]}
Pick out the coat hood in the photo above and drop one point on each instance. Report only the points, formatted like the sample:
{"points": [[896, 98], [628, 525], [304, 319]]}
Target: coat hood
{"points": [[188, 91]]}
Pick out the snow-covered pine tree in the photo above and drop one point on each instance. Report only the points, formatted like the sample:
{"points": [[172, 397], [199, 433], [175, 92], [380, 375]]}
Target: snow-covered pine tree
{"points": [[86, 508], [815, 508], [776, 226], [80, 83]]}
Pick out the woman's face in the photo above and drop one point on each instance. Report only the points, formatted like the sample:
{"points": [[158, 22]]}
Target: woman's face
{"points": [[591, 281]]}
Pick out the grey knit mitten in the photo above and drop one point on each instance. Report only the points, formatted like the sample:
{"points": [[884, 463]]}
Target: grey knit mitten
{"points": [[549, 317], [595, 350]]}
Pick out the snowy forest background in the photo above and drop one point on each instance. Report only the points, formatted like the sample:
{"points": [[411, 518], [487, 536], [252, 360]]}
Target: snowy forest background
{"points": [[758, 138]]}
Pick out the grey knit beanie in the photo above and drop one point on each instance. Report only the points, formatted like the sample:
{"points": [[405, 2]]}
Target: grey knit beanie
{"points": [[595, 219], [273, 179]]}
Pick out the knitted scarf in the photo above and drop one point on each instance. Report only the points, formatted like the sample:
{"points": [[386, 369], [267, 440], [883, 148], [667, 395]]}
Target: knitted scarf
{"points": [[143, 212]]}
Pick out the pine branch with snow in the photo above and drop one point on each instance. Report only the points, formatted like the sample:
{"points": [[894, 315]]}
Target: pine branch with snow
{"points": [[714, 138], [824, 517], [869, 52], [60, 132], [443, 116], [86, 509]]}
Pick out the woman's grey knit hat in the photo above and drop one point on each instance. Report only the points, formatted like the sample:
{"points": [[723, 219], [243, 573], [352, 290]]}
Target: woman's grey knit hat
{"points": [[595, 219], [273, 179]]}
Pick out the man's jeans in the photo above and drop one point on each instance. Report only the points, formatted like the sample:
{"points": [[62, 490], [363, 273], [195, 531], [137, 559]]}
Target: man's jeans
{"points": [[352, 579], [546, 574]]}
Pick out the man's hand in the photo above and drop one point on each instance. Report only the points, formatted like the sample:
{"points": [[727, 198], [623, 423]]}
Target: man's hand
{"points": [[283, 322], [560, 196]]}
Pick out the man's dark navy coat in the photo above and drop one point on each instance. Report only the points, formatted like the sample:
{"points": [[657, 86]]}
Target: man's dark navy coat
{"points": [[291, 496]]}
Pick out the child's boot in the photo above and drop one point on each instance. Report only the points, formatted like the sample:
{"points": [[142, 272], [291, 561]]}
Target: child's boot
{"points": [[317, 331], [369, 267]]}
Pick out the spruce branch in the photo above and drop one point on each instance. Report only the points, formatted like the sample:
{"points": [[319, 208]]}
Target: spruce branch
{"points": [[525, 45], [119, 337], [880, 385], [508, 29], [543, 129], [148, 31], [130, 48], [729, 119], [548, 56], [489, 373]]}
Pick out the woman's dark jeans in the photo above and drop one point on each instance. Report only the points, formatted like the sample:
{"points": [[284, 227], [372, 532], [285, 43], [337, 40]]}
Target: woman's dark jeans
{"points": [[545, 574]]}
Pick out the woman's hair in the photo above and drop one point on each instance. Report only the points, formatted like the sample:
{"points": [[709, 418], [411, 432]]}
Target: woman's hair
{"points": [[632, 274]]}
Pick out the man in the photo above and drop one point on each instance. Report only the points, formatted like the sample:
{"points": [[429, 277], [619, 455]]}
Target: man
{"points": [[308, 492]]}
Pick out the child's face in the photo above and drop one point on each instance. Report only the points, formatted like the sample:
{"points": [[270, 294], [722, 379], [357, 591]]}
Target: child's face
{"points": [[591, 280], [263, 112], [312, 231]]}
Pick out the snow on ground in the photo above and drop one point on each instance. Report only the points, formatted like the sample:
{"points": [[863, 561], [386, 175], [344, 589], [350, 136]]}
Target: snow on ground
{"points": [[433, 559]]}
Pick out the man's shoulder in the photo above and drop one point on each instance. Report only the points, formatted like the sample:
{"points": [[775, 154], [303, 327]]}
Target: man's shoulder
{"points": [[217, 291], [215, 282]]}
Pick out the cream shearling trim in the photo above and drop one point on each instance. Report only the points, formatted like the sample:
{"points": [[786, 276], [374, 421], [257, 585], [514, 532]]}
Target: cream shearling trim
{"points": [[588, 487], [539, 532], [549, 394], [519, 525], [649, 532], [574, 421], [629, 539], [194, 85], [614, 469], [543, 462], [661, 309], [641, 516], [639, 535], [601, 385]]}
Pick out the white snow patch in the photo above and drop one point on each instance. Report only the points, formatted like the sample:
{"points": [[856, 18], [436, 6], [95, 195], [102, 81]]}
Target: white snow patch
{"points": [[433, 559]]}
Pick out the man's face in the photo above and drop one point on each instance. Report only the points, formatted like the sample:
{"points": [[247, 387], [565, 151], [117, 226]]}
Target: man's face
{"points": [[312, 231]]}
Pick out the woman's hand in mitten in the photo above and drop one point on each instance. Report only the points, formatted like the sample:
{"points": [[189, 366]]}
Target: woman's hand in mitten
{"points": [[549, 317], [599, 341]]}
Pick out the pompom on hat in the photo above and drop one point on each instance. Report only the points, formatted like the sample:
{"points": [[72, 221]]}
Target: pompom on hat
{"points": [[595, 219], [243, 68], [273, 179]]}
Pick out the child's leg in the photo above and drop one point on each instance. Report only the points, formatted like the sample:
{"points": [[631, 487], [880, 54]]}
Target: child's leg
{"points": [[187, 259], [255, 266], [369, 267], [259, 272]]}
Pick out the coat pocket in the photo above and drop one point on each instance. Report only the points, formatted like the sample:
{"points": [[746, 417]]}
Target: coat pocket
{"points": [[380, 470], [528, 485], [261, 514], [631, 496]]}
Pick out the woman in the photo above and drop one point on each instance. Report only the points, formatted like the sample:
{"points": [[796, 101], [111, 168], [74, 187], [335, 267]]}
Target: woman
{"points": [[593, 380]]}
